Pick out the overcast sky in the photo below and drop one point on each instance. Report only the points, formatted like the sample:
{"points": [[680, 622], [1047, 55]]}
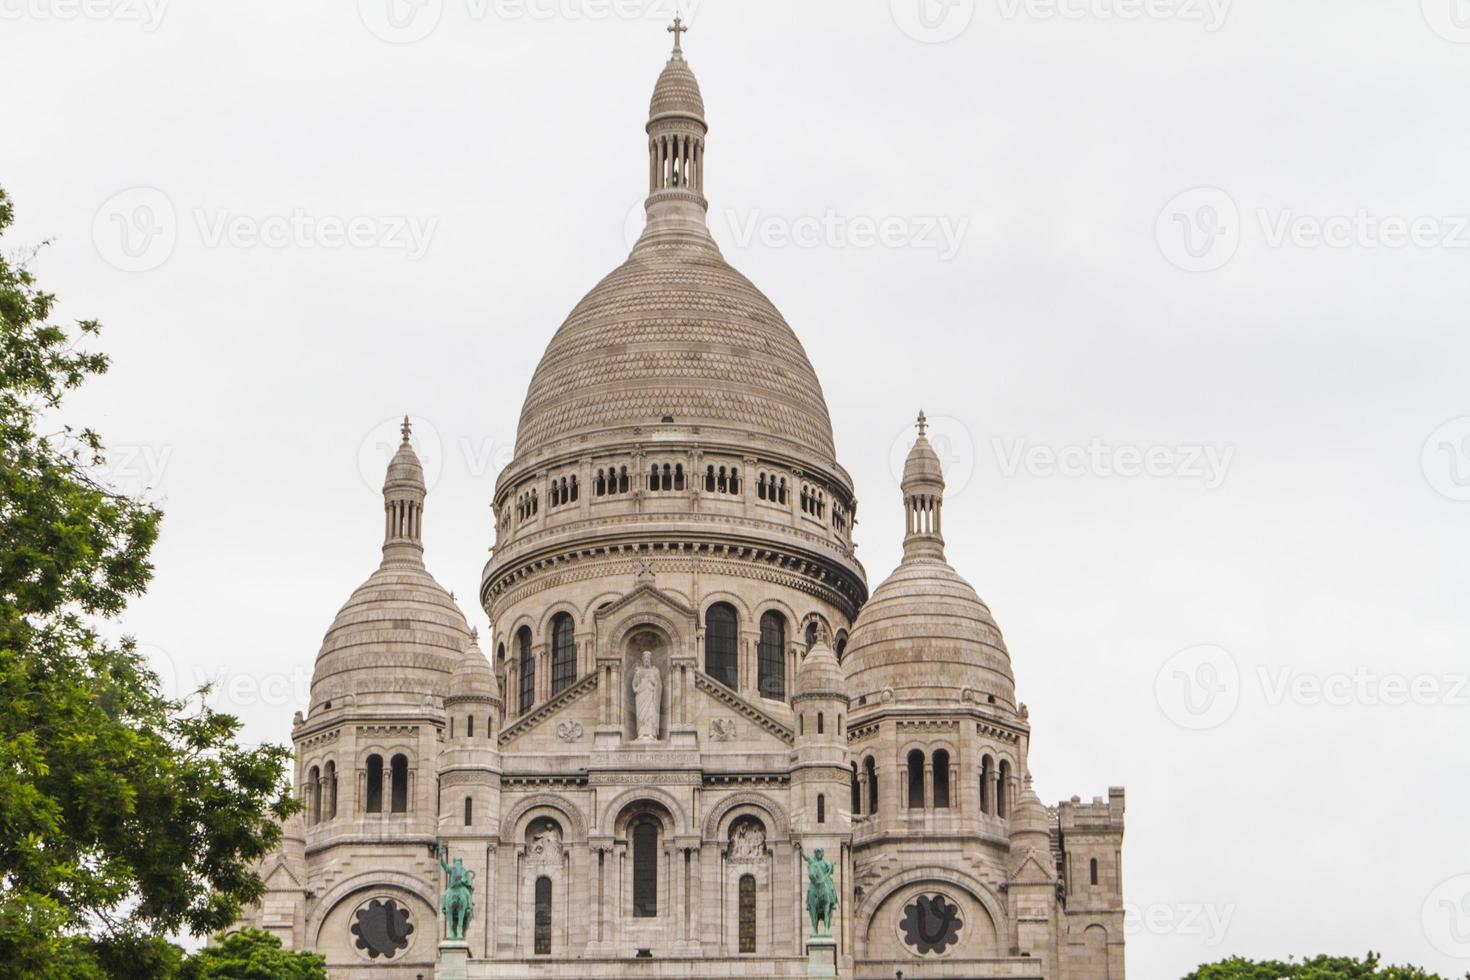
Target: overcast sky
{"points": [[1183, 284]]}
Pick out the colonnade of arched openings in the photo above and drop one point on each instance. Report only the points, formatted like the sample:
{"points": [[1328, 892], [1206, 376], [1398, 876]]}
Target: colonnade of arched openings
{"points": [[928, 783]]}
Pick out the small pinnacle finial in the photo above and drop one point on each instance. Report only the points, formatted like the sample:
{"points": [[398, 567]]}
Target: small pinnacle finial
{"points": [[474, 634], [405, 428], [923, 422], [678, 30]]}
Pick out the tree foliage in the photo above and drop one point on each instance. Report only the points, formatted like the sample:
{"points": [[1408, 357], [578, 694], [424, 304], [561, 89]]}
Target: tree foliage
{"points": [[1317, 968], [252, 954], [124, 814]]}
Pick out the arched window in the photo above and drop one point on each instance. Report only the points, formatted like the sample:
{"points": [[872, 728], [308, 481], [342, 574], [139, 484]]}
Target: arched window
{"points": [[721, 643], [469, 726], [821, 808], [679, 476], [314, 795], [528, 669], [374, 803], [771, 656], [400, 783], [1092, 870], [330, 806], [1003, 791], [941, 779], [857, 792], [841, 647], [469, 810], [987, 768], [916, 780], [543, 916], [811, 635], [645, 869], [747, 913], [563, 653]]}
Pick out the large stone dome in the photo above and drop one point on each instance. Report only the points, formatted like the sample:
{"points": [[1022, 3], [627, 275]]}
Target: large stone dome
{"points": [[676, 333]]}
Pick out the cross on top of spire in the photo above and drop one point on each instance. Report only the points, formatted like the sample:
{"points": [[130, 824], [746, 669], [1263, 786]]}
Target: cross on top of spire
{"points": [[406, 428], [923, 422], [678, 30]]}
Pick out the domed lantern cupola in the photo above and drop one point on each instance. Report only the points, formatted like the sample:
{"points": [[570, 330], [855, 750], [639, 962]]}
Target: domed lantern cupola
{"points": [[923, 498]]}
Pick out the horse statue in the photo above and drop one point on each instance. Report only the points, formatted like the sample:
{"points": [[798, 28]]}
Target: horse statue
{"points": [[459, 895], [821, 894]]}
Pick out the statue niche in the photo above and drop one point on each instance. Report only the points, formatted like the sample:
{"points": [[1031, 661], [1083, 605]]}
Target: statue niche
{"points": [[646, 674]]}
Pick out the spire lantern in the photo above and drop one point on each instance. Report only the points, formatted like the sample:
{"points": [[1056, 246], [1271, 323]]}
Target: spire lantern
{"points": [[923, 498], [403, 502], [676, 130]]}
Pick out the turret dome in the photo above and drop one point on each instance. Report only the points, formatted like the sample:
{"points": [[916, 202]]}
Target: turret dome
{"points": [[400, 635], [926, 634]]}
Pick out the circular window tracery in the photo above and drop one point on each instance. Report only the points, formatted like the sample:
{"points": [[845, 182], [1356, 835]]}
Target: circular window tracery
{"points": [[381, 928], [930, 924]]}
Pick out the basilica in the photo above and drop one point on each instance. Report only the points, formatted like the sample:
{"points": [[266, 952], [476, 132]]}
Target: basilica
{"points": [[689, 698]]}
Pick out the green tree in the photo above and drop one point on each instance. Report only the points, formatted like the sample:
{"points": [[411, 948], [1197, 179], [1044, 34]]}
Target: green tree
{"points": [[252, 954], [1317, 968], [124, 814]]}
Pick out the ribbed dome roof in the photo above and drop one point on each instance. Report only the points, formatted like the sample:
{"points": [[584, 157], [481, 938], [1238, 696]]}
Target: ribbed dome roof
{"points": [[398, 638], [677, 92], [926, 634], [922, 465], [472, 676], [676, 332], [819, 671]]}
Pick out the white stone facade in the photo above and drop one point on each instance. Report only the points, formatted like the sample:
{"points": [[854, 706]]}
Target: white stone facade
{"points": [[675, 492]]}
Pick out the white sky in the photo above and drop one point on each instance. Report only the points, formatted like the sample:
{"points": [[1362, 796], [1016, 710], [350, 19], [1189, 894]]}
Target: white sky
{"points": [[252, 381]]}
